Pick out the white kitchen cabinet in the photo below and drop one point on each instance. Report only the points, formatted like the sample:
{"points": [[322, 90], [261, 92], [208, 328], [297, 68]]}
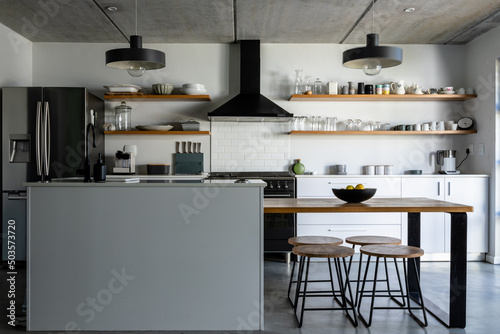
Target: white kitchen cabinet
{"points": [[343, 225], [435, 227], [471, 191], [432, 225]]}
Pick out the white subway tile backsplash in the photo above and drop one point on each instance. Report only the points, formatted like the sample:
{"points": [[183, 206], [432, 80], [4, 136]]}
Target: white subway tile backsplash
{"points": [[231, 135], [250, 147]]}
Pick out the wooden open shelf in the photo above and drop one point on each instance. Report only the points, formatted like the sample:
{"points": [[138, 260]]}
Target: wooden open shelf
{"points": [[137, 132], [446, 132], [152, 97], [390, 97]]}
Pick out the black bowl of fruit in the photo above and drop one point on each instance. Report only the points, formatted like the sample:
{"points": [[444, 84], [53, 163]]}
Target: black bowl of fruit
{"points": [[356, 194]]}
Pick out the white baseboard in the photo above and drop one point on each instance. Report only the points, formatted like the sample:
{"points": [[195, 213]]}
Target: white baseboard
{"points": [[493, 259]]}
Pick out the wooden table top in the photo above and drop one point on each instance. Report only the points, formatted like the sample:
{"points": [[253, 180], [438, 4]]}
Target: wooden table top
{"points": [[409, 204]]}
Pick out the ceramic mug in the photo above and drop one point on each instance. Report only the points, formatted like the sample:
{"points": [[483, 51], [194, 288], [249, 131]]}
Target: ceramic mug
{"points": [[448, 125], [440, 126], [425, 127], [417, 127], [432, 126]]}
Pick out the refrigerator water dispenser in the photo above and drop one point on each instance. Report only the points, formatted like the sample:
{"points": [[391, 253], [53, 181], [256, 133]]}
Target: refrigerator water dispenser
{"points": [[19, 148]]}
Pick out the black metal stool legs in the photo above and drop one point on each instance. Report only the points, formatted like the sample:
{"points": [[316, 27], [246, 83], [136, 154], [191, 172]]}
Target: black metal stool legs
{"points": [[343, 302], [403, 305]]}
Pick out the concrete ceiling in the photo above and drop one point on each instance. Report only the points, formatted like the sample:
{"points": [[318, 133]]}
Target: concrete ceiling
{"points": [[271, 21]]}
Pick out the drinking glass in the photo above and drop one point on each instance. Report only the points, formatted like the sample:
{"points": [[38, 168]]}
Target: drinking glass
{"points": [[331, 124], [349, 125], [377, 126]]}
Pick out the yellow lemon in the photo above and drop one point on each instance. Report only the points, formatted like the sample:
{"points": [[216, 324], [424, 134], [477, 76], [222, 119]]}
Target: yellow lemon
{"points": [[360, 186], [349, 187]]}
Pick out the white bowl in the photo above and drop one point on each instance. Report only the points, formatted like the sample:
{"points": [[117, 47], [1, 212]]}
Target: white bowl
{"points": [[124, 88], [163, 89], [193, 85], [193, 91]]}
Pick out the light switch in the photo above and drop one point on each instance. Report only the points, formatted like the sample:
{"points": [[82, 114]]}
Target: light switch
{"points": [[480, 149]]}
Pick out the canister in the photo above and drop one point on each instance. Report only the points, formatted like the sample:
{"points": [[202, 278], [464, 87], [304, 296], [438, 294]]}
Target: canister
{"points": [[388, 169], [378, 89], [386, 89], [379, 170], [122, 117]]}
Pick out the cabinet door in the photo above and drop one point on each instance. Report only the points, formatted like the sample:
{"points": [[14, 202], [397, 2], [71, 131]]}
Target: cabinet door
{"points": [[432, 225], [322, 186], [343, 231], [471, 191]]}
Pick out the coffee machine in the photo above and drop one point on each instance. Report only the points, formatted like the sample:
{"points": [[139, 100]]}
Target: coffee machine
{"points": [[447, 160]]}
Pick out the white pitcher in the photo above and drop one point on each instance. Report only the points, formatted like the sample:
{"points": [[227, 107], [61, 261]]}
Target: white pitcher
{"points": [[398, 87]]}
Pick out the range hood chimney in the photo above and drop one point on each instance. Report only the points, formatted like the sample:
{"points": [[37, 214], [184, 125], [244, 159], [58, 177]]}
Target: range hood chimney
{"points": [[250, 105]]}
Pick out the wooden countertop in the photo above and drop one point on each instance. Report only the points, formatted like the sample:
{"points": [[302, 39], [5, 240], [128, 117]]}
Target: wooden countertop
{"points": [[410, 204]]}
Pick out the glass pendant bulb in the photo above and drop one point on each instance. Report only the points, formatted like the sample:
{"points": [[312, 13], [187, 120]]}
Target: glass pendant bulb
{"points": [[370, 69], [135, 69]]}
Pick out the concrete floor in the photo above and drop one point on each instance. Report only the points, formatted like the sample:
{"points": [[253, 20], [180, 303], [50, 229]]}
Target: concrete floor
{"points": [[483, 298]]}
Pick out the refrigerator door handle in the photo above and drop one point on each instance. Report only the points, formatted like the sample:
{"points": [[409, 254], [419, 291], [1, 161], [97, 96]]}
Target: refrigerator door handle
{"points": [[39, 138], [47, 139]]}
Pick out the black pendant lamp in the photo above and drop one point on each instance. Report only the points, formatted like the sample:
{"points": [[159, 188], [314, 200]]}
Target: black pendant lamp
{"points": [[372, 58], [135, 59]]}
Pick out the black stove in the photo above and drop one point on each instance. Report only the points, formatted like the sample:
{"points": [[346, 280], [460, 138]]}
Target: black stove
{"points": [[277, 227], [280, 184]]}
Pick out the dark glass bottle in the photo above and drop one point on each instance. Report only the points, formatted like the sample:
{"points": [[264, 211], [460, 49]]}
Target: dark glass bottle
{"points": [[100, 170]]}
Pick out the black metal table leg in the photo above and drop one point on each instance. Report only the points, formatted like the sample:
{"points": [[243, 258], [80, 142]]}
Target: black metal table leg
{"points": [[458, 270], [414, 240], [456, 318]]}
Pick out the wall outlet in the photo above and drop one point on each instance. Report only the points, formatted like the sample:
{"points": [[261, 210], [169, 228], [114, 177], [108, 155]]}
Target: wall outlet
{"points": [[471, 149], [480, 149]]}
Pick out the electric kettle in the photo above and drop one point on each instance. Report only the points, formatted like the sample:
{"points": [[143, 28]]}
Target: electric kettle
{"points": [[447, 160]]}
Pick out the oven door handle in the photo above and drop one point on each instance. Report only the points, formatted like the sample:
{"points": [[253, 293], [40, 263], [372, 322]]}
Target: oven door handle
{"points": [[278, 195]]}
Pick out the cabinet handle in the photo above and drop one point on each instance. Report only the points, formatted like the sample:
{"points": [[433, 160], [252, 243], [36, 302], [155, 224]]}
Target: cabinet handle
{"points": [[439, 188], [449, 188], [350, 231]]}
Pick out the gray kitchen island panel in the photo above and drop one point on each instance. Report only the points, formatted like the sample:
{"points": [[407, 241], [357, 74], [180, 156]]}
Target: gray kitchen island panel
{"points": [[135, 257]]}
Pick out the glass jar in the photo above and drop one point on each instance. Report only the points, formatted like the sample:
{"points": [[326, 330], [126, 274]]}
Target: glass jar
{"points": [[317, 87], [122, 117], [299, 85]]}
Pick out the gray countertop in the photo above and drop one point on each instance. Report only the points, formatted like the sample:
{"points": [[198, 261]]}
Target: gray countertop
{"points": [[137, 182]]}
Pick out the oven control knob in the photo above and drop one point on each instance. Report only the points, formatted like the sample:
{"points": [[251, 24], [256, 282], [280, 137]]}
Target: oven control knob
{"points": [[285, 185], [278, 186], [271, 185]]}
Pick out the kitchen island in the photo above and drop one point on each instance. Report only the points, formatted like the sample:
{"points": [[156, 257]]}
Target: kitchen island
{"points": [[151, 255]]}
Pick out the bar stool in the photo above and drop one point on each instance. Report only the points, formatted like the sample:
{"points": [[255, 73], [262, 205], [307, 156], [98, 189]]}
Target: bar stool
{"points": [[330, 252], [394, 252], [310, 240], [364, 240]]}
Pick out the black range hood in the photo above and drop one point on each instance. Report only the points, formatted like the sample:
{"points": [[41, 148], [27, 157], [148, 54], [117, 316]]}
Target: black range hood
{"points": [[250, 105]]}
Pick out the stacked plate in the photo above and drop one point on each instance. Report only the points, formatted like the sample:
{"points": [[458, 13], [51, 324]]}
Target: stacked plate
{"points": [[193, 89]]}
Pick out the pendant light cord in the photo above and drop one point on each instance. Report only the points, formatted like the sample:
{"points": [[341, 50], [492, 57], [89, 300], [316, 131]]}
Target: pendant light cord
{"points": [[373, 16], [136, 17]]}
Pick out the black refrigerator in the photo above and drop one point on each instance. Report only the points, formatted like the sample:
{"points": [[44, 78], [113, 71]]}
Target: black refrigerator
{"points": [[43, 137]]}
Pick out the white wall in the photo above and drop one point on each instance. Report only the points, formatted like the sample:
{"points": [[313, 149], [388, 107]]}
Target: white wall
{"points": [[483, 72], [426, 65], [217, 66], [15, 59]]}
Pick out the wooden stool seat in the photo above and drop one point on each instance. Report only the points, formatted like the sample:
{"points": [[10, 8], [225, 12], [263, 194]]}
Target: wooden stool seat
{"points": [[363, 240], [314, 240], [392, 251], [323, 251]]}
